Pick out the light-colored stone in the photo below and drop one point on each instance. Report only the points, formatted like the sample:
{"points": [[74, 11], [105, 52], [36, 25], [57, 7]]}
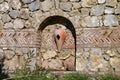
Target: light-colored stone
{"points": [[14, 14], [34, 5], [57, 64], [1, 24], [81, 64], [16, 4], [79, 52], [95, 62], [64, 54], [97, 10], [13, 64], [109, 10], [49, 54], [118, 49], [18, 23], [24, 13], [9, 54], [101, 1], [117, 11], [74, 0], [6, 18], [8, 25], [25, 50], [4, 7], [93, 21], [88, 3], [76, 5], [48, 64], [110, 20], [18, 51], [1, 1], [115, 63], [106, 57], [27, 1], [1, 54], [46, 5], [85, 12], [96, 51], [63, 0], [66, 6]]}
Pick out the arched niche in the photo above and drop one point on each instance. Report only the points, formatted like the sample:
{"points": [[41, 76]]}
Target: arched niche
{"points": [[53, 20]]}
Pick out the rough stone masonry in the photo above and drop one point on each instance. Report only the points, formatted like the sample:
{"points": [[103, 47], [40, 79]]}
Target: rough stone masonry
{"points": [[84, 14]]}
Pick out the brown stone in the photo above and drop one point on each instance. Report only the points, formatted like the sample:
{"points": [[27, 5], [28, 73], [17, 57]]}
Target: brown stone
{"points": [[69, 63]]}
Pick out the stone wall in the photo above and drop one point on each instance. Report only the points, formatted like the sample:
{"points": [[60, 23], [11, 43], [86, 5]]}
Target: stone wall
{"points": [[29, 14]]}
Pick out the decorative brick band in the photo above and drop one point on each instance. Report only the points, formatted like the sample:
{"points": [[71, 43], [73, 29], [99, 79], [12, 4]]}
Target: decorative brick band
{"points": [[86, 37], [98, 37], [18, 38]]}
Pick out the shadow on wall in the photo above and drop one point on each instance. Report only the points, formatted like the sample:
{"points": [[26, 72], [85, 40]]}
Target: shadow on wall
{"points": [[2, 75], [59, 20]]}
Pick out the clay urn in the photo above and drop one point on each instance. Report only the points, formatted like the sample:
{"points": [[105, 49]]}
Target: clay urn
{"points": [[59, 37]]}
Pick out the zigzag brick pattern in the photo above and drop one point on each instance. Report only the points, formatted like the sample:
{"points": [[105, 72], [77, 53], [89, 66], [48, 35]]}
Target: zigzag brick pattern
{"points": [[17, 38], [98, 37], [86, 37]]}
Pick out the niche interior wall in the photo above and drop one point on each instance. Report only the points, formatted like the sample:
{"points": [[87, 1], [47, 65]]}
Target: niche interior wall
{"points": [[93, 26]]}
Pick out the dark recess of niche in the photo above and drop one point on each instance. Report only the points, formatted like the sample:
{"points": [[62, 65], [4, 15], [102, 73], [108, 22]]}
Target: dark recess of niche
{"points": [[59, 20]]}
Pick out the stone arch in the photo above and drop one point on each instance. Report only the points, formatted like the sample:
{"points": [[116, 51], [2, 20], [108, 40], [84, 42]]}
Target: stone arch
{"points": [[59, 20], [56, 19]]}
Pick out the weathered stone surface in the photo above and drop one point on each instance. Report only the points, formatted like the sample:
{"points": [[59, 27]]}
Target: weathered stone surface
{"points": [[9, 54], [85, 12], [117, 11], [49, 64], [57, 64], [27, 1], [64, 54], [76, 5], [18, 23], [9, 25], [95, 62], [1, 24], [24, 13], [16, 4], [81, 64], [14, 14], [4, 7], [25, 50], [18, 51], [66, 6], [1, 54], [110, 20], [1, 1], [13, 63], [101, 1], [115, 63], [96, 51], [97, 10], [69, 63], [49, 54], [118, 49], [6, 18], [91, 21], [74, 0], [34, 5], [46, 5], [88, 3], [109, 10]]}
